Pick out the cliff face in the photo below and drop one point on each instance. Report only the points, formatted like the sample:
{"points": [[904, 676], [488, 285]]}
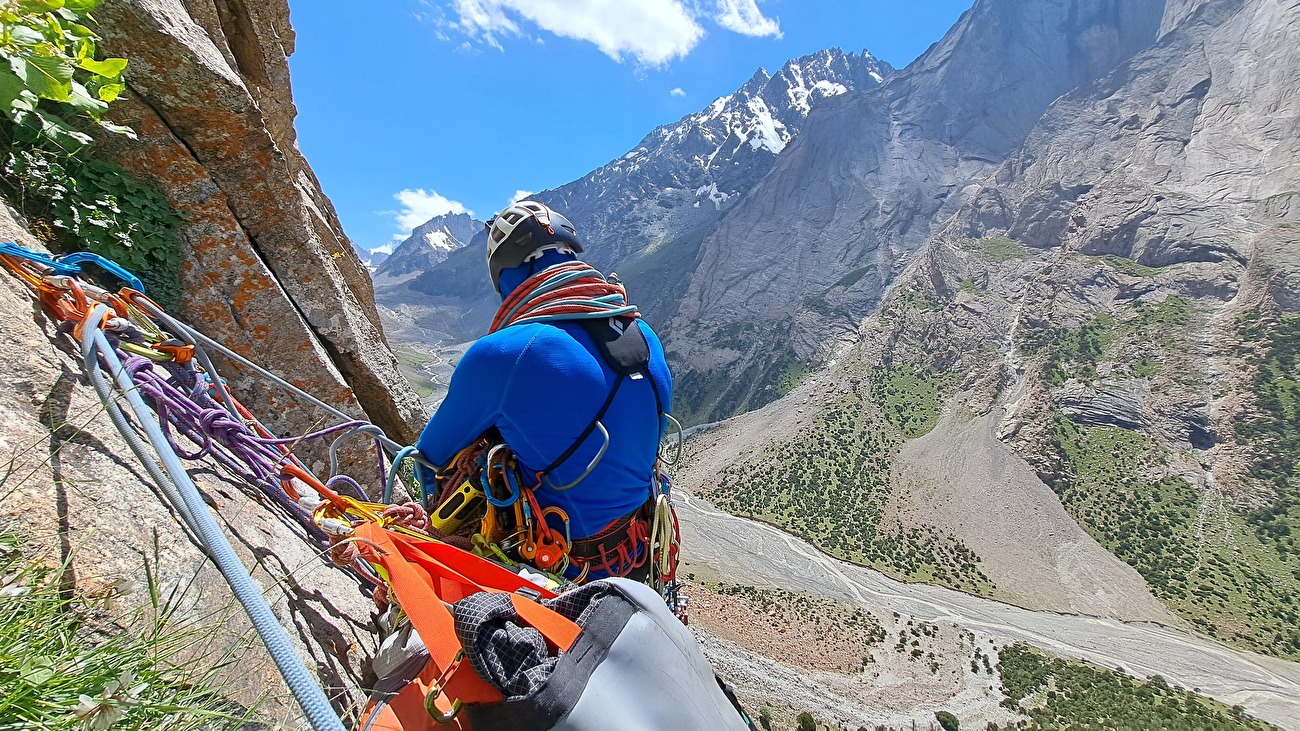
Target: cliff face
{"points": [[268, 271], [267, 268], [798, 262], [1105, 324]]}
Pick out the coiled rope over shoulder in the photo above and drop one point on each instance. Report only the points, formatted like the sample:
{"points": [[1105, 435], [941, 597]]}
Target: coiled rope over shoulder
{"points": [[569, 291]]}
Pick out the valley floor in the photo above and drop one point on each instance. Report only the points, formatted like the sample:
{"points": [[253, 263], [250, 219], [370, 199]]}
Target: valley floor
{"points": [[745, 552]]}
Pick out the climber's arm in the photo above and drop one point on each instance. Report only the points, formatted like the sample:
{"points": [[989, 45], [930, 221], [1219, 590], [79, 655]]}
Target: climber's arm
{"points": [[472, 404]]}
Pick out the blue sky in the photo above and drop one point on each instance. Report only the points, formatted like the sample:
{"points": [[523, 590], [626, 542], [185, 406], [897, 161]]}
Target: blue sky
{"points": [[411, 108]]}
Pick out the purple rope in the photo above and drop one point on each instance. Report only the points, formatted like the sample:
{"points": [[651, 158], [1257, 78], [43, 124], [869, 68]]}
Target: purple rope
{"points": [[345, 481], [185, 407], [313, 435]]}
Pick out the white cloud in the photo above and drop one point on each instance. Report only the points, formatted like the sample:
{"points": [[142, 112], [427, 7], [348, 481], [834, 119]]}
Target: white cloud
{"points": [[677, 91], [743, 16], [652, 32], [419, 205], [520, 195]]}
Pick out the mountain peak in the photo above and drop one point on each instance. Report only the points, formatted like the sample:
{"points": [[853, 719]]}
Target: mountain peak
{"points": [[756, 82], [429, 243]]}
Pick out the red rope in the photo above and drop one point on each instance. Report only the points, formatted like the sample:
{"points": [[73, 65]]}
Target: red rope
{"points": [[586, 287]]}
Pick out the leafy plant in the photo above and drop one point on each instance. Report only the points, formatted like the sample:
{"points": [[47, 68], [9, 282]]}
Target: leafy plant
{"points": [[97, 206], [48, 53], [50, 80]]}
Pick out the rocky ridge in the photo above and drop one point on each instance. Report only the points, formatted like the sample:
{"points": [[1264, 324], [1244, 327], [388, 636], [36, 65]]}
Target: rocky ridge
{"points": [[429, 244], [792, 269], [645, 213]]}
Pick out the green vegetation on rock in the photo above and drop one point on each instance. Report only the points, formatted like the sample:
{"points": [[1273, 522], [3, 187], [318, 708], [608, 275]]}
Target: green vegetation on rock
{"points": [[947, 721], [792, 377], [1145, 367], [1068, 694], [1129, 266], [1001, 248], [49, 73], [1172, 310], [1076, 352], [61, 670], [700, 396], [829, 485], [1232, 572], [908, 400], [1197, 554], [50, 84], [1073, 352], [88, 204], [1276, 429], [913, 300]]}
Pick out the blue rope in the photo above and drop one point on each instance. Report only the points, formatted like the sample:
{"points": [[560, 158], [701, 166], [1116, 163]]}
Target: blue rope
{"points": [[393, 469]]}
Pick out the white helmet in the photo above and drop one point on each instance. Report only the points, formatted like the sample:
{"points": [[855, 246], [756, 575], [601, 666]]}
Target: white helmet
{"points": [[522, 232]]}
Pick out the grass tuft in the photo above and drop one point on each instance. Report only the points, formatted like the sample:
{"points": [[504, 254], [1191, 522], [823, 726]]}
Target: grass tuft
{"points": [[1001, 248], [1128, 266], [59, 670]]}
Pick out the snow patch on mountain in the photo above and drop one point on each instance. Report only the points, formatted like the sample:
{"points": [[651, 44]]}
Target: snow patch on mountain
{"points": [[429, 244], [712, 193], [645, 212]]}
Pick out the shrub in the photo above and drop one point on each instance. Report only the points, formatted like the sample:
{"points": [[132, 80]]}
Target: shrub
{"points": [[947, 721], [48, 69]]}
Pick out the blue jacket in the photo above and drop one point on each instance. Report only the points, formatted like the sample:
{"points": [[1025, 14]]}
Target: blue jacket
{"points": [[540, 385]]}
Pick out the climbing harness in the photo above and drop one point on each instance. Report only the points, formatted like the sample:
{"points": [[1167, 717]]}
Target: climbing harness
{"points": [[163, 369], [642, 544]]}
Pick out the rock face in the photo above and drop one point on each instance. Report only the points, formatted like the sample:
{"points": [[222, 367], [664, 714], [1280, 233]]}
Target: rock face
{"points": [[267, 267], [1180, 169], [645, 213], [428, 245], [74, 491], [798, 262], [1108, 403]]}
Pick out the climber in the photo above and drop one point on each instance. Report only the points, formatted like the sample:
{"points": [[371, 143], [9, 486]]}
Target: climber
{"points": [[553, 391]]}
